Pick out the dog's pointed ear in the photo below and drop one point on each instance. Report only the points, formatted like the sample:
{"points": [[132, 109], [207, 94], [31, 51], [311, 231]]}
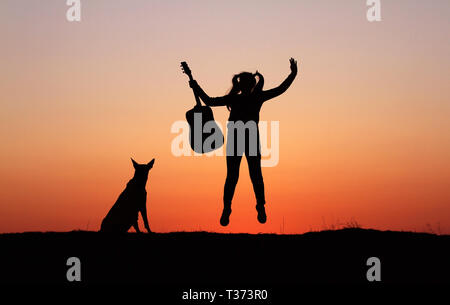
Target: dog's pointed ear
{"points": [[135, 164], [150, 164]]}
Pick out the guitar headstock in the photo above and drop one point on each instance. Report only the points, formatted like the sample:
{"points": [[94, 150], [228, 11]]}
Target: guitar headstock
{"points": [[185, 69]]}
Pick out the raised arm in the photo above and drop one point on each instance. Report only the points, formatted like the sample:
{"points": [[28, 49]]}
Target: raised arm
{"points": [[269, 94], [209, 101], [259, 86]]}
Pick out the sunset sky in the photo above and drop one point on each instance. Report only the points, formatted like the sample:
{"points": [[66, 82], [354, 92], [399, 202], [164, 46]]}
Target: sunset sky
{"points": [[364, 129]]}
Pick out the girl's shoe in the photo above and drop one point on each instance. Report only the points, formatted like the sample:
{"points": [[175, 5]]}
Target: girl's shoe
{"points": [[262, 218], [225, 218]]}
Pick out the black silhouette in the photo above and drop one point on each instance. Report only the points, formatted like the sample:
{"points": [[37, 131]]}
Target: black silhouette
{"points": [[197, 117], [189, 259], [244, 102], [131, 201]]}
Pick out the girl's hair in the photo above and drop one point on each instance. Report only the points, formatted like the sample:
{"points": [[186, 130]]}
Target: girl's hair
{"points": [[236, 88]]}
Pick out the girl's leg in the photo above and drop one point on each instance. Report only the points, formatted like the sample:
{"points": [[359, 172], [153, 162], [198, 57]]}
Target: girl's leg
{"points": [[254, 167], [233, 163]]}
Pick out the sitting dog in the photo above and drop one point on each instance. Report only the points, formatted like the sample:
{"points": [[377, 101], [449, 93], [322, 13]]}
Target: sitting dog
{"points": [[125, 211]]}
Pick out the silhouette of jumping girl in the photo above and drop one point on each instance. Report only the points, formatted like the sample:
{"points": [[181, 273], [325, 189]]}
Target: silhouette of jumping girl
{"points": [[244, 102]]}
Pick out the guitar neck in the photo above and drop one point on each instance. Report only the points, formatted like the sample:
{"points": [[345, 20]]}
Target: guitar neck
{"points": [[197, 99]]}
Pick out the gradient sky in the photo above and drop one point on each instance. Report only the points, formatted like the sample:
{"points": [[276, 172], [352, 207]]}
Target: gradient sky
{"points": [[364, 129]]}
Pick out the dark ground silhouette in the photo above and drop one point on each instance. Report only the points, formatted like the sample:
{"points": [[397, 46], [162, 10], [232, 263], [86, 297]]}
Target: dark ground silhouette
{"points": [[188, 259]]}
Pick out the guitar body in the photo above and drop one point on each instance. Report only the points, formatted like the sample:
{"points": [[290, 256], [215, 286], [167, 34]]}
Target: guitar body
{"points": [[203, 141], [204, 134]]}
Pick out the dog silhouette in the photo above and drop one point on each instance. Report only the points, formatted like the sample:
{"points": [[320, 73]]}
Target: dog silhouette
{"points": [[125, 212]]}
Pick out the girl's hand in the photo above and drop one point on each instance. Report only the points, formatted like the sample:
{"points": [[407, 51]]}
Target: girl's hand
{"points": [[293, 65]]}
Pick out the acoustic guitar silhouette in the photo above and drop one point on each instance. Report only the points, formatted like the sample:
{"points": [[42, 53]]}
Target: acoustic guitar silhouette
{"points": [[197, 117]]}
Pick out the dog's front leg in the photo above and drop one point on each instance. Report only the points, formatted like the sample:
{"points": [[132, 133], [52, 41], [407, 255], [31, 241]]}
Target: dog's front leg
{"points": [[136, 227], [145, 218]]}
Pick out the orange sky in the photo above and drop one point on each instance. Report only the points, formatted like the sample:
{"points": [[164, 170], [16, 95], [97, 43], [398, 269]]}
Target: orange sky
{"points": [[364, 129]]}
